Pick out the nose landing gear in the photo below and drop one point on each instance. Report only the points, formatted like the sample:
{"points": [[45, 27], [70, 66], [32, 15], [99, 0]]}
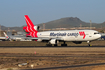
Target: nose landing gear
{"points": [[88, 43]]}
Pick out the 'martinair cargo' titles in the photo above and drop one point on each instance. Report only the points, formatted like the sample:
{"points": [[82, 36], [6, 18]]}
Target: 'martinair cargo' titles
{"points": [[64, 34]]}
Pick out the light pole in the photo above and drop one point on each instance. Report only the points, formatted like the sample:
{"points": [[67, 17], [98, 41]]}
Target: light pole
{"points": [[90, 24]]}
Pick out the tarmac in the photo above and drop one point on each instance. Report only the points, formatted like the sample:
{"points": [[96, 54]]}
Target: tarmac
{"points": [[58, 57], [46, 46], [64, 67]]}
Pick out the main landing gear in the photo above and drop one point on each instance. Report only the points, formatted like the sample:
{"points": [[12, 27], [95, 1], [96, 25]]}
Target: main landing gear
{"points": [[55, 45], [51, 45], [64, 44]]}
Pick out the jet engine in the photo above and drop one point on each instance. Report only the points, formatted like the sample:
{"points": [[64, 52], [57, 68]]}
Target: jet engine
{"points": [[31, 29], [36, 27], [53, 41]]}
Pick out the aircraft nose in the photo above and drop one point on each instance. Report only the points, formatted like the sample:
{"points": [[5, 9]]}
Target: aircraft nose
{"points": [[99, 35]]}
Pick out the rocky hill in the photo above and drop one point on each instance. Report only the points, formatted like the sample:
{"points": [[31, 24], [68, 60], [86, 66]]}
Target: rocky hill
{"points": [[68, 22], [61, 23]]}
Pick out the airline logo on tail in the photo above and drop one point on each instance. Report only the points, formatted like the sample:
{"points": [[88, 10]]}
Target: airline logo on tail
{"points": [[5, 35], [28, 21], [30, 28]]}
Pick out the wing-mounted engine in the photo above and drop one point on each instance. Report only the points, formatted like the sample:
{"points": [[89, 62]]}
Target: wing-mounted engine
{"points": [[77, 42], [53, 41]]}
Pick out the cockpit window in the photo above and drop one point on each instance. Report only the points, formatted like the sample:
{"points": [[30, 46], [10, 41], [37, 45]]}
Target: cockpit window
{"points": [[96, 33]]}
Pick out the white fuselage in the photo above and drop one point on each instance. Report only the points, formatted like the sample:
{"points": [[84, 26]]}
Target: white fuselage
{"points": [[71, 35]]}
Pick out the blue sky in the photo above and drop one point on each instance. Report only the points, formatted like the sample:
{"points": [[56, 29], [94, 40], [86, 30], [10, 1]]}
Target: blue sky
{"points": [[41, 11]]}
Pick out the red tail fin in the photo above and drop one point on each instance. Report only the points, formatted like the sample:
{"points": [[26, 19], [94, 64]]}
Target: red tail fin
{"points": [[28, 21], [30, 28]]}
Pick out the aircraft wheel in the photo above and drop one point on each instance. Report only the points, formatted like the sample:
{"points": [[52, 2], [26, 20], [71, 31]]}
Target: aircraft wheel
{"points": [[48, 44], [63, 44], [89, 45], [55, 45]]}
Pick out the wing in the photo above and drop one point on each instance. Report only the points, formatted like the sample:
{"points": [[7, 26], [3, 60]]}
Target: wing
{"points": [[45, 38]]}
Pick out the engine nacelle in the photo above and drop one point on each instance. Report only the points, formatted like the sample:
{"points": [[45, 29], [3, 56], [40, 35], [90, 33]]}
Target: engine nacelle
{"points": [[53, 41], [36, 28], [31, 29]]}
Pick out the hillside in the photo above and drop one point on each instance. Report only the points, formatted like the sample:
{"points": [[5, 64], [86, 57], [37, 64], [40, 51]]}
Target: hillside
{"points": [[12, 28], [67, 23], [61, 23]]}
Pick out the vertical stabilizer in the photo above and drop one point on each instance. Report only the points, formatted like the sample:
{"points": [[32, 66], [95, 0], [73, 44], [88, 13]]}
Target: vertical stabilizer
{"points": [[28, 21], [5, 35], [30, 28]]}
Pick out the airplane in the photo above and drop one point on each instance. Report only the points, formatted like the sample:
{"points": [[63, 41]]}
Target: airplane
{"points": [[54, 37], [14, 38], [102, 36], [4, 38]]}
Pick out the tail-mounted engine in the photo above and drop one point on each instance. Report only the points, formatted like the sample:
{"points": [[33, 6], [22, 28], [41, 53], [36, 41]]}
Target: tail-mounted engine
{"points": [[31, 29], [36, 28]]}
